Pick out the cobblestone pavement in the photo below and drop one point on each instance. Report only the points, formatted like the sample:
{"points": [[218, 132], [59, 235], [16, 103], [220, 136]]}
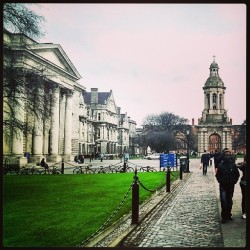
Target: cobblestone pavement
{"points": [[190, 219]]}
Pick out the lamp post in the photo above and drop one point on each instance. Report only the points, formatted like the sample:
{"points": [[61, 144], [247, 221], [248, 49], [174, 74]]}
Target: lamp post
{"points": [[187, 136]]}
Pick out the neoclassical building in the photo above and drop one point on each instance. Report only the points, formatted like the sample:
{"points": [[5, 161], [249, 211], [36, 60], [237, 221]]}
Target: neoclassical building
{"points": [[214, 127], [79, 122]]}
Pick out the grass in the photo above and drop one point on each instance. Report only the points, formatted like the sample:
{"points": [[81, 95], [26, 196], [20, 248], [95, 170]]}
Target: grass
{"points": [[63, 210]]}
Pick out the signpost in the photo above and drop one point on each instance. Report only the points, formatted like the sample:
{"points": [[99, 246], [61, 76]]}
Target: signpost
{"points": [[168, 160]]}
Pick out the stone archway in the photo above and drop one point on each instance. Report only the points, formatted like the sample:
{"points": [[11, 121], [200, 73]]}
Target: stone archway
{"points": [[214, 143]]}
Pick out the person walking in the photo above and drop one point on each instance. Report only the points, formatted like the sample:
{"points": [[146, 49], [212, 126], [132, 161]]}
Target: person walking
{"points": [[216, 160], [211, 156], [205, 161], [243, 183], [227, 175]]}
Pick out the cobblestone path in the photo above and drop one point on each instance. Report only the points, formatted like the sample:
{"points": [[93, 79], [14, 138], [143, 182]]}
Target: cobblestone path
{"points": [[190, 219]]}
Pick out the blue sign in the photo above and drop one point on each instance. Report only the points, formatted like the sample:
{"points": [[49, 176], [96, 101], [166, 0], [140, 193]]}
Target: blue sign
{"points": [[167, 160]]}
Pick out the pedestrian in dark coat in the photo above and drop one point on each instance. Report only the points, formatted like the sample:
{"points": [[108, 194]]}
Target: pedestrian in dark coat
{"points": [[227, 175], [44, 164], [216, 160], [205, 161], [243, 182]]}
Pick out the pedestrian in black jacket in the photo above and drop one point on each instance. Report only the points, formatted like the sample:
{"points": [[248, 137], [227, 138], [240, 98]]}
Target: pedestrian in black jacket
{"points": [[243, 183], [205, 161], [227, 175], [216, 160]]}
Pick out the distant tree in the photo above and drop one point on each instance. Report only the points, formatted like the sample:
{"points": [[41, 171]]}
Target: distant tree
{"points": [[18, 18], [160, 130], [240, 140]]}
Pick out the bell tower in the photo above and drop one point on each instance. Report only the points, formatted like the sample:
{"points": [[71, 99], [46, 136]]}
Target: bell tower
{"points": [[214, 92], [214, 127]]}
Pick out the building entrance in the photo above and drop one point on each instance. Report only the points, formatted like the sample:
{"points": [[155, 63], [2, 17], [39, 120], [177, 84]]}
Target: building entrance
{"points": [[214, 143]]}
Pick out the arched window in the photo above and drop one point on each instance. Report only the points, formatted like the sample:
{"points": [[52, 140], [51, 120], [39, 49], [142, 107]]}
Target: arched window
{"points": [[214, 101], [208, 101]]}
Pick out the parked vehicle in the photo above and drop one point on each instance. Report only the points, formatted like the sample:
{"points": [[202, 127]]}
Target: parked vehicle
{"points": [[152, 156]]}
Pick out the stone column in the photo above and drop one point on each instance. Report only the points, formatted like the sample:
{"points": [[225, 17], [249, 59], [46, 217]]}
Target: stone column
{"points": [[62, 123], [222, 101], [38, 140], [17, 140], [68, 126], [211, 101], [46, 140], [54, 131], [218, 101]]}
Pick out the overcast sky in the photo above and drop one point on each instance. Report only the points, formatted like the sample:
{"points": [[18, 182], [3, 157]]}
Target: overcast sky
{"points": [[154, 57]]}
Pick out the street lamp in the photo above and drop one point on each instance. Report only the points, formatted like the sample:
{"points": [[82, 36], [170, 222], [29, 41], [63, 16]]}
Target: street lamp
{"points": [[187, 136]]}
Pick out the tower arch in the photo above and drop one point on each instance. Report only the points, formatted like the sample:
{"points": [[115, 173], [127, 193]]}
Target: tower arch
{"points": [[214, 142]]}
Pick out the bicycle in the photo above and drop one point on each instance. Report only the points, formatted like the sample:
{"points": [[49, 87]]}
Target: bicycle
{"points": [[109, 169], [124, 169], [83, 170], [147, 169], [88, 170], [11, 167], [103, 170], [78, 170], [50, 170], [29, 170]]}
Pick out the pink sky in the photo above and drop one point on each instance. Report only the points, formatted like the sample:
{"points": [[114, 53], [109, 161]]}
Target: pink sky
{"points": [[155, 57]]}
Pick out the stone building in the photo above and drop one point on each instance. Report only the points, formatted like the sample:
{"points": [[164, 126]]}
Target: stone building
{"points": [[103, 115], [214, 127], [79, 122], [51, 138]]}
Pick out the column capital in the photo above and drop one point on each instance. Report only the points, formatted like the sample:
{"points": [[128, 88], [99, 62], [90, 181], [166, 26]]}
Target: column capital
{"points": [[67, 92]]}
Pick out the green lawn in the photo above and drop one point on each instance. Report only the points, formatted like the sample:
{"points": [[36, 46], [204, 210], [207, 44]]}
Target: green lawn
{"points": [[63, 210]]}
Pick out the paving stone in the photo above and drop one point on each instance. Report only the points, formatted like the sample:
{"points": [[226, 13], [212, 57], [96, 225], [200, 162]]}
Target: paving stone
{"points": [[191, 220]]}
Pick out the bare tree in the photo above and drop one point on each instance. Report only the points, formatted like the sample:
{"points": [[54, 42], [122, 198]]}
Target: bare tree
{"points": [[25, 89], [19, 18]]}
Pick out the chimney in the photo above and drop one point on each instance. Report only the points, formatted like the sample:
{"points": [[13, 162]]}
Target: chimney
{"points": [[193, 122], [94, 96], [119, 111]]}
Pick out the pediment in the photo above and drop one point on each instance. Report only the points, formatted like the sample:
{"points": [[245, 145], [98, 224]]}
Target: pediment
{"points": [[54, 54]]}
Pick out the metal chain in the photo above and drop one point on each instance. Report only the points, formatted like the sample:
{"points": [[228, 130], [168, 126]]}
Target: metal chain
{"points": [[160, 186], [108, 220], [134, 164], [70, 164]]}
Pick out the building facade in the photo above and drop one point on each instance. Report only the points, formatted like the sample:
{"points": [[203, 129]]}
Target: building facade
{"points": [[79, 122]]}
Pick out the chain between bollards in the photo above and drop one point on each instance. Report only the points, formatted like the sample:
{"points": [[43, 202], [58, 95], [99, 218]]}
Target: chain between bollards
{"points": [[135, 199]]}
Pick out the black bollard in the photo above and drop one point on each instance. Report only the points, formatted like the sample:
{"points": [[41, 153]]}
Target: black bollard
{"points": [[62, 168], [180, 172], [168, 179], [135, 200]]}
